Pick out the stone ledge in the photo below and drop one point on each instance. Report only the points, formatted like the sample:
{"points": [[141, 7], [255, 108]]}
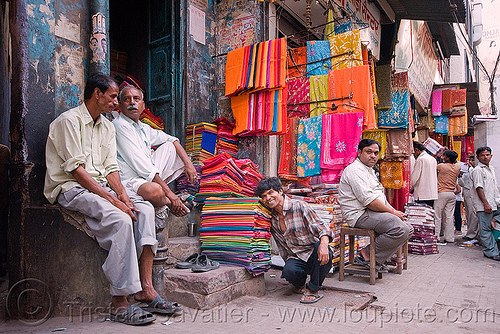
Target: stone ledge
{"points": [[180, 248]]}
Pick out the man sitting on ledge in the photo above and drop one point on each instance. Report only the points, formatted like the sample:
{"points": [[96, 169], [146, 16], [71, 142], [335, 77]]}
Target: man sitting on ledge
{"points": [[302, 239], [364, 205]]}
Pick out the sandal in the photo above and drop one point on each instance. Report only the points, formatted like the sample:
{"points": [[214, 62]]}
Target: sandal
{"points": [[188, 263], [132, 315], [203, 263], [312, 301], [161, 306]]}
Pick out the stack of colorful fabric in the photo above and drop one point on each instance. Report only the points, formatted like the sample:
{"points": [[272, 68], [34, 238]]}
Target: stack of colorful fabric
{"points": [[200, 141], [154, 121], [236, 231], [183, 184], [224, 176], [226, 141], [423, 241]]}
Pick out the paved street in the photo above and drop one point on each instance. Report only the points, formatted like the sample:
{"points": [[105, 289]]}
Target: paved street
{"points": [[455, 291]]}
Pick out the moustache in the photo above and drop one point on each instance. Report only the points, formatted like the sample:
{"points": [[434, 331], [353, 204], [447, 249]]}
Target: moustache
{"points": [[132, 107]]}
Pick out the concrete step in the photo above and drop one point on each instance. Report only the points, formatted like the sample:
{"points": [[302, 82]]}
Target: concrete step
{"points": [[212, 288], [180, 248]]}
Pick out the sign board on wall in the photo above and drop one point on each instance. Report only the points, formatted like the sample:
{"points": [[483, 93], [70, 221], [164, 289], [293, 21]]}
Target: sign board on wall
{"points": [[367, 15], [415, 54]]}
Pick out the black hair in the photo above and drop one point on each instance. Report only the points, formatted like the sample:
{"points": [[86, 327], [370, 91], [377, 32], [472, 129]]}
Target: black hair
{"points": [[418, 146], [452, 155], [266, 184], [482, 149], [97, 80], [368, 142]]}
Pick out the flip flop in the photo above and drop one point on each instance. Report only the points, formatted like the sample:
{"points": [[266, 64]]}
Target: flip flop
{"points": [[132, 315], [161, 306], [187, 263], [316, 298], [203, 263]]}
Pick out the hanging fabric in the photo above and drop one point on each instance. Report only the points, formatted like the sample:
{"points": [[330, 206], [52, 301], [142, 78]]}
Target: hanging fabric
{"points": [[346, 50], [297, 57], [397, 116], [391, 174], [309, 146], [318, 91], [381, 137], [318, 58], [442, 125], [298, 92]]}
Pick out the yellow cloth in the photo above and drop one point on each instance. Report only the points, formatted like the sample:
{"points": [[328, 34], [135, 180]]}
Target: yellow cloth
{"points": [[457, 147], [318, 91], [457, 126], [391, 174], [349, 41], [381, 137]]}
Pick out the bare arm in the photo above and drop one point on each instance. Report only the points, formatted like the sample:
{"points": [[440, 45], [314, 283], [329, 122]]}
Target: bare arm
{"points": [[378, 205], [121, 201], [189, 168], [177, 207]]}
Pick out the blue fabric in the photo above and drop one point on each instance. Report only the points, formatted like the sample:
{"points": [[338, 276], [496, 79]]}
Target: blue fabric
{"points": [[397, 115], [317, 50], [442, 125], [342, 27], [309, 146]]}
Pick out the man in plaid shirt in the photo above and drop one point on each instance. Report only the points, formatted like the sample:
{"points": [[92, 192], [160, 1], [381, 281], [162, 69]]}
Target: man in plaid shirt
{"points": [[302, 239]]}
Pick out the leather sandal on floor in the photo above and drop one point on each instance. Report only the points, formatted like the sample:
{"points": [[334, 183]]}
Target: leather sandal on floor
{"points": [[161, 306], [203, 263], [312, 301], [188, 263], [133, 315]]}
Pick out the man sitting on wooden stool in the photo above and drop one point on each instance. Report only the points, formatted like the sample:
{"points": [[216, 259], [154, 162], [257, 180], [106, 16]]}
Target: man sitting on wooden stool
{"points": [[301, 237], [364, 205]]}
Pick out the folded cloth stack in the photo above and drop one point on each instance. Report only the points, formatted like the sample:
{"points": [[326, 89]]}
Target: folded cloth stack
{"points": [[200, 141], [226, 141], [183, 184], [224, 176], [236, 231], [421, 217], [154, 121]]}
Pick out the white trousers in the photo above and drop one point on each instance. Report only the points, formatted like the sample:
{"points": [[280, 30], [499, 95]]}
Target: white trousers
{"points": [[444, 207], [115, 231]]}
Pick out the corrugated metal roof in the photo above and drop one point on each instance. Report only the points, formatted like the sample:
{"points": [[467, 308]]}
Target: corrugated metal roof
{"points": [[428, 10]]}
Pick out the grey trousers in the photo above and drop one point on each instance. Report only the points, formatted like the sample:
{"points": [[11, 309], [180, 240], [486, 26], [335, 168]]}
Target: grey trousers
{"points": [[390, 232], [115, 231], [444, 207], [490, 247], [471, 215]]}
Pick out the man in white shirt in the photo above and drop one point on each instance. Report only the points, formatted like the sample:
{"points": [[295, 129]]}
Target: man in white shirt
{"points": [[364, 205], [486, 200], [424, 176], [144, 172]]}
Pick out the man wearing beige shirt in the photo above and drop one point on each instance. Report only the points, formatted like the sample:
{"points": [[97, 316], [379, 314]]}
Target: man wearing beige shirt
{"points": [[83, 175], [424, 176], [444, 206], [364, 205]]}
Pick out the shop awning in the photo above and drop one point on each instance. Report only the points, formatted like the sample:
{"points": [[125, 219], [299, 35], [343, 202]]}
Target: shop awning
{"points": [[425, 10], [443, 33]]}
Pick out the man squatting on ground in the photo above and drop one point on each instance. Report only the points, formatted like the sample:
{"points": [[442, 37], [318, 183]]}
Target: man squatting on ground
{"points": [[302, 239], [486, 201], [83, 175], [364, 205], [144, 173]]}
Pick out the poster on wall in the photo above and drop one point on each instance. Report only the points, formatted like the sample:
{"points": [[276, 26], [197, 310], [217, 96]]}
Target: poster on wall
{"points": [[488, 51], [414, 53], [197, 24], [367, 16]]}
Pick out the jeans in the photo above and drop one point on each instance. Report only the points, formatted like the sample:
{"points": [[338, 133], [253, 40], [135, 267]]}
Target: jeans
{"points": [[295, 271], [490, 248]]}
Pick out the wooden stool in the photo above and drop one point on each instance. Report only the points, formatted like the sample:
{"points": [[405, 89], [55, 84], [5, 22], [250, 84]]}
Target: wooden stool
{"points": [[402, 258], [352, 268]]}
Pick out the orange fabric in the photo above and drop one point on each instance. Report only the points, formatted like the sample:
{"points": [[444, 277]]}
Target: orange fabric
{"points": [[239, 105], [457, 126], [234, 70], [282, 62], [391, 174], [356, 81], [297, 56]]}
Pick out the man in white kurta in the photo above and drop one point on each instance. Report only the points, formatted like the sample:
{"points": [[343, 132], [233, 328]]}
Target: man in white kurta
{"points": [[424, 176], [145, 172]]}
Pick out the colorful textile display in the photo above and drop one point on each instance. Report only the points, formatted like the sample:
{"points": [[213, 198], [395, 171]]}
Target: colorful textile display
{"points": [[457, 126], [383, 79], [200, 141], [184, 186], [381, 137], [447, 102], [309, 146], [442, 125], [287, 167], [226, 141], [398, 115], [352, 87], [318, 91], [457, 147], [318, 58], [399, 144], [339, 139], [237, 232], [398, 198], [391, 174], [298, 97], [437, 103], [224, 176], [296, 60], [153, 121], [423, 241], [256, 67], [346, 50]]}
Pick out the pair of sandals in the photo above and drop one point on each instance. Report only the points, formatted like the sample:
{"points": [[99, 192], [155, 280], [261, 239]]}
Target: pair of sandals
{"points": [[137, 315], [198, 263]]}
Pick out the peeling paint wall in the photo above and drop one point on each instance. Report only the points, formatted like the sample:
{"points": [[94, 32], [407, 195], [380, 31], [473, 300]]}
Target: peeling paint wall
{"points": [[57, 42]]}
